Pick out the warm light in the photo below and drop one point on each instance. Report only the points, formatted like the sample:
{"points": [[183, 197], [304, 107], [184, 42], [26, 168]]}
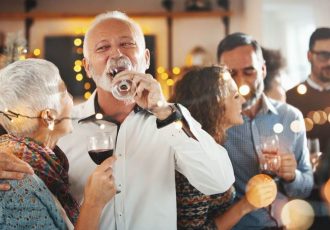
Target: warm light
{"points": [[326, 191], [79, 50], [297, 214], [316, 117], [301, 89], [278, 128], [36, 52], [99, 116], [77, 68], [78, 62], [296, 126], [323, 117], [244, 90], [78, 31], [87, 85], [164, 76], [87, 95], [77, 42], [261, 190], [170, 82], [176, 70], [21, 57], [79, 77], [308, 124], [160, 69]]}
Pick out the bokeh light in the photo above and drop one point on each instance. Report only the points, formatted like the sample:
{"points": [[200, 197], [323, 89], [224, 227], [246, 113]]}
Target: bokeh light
{"points": [[170, 82], [297, 214], [77, 68], [326, 191], [308, 124], [77, 42], [87, 86], [176, 70], [244, 90], [297, 126], [261, 190], [301, 89], [36, 52], [316, 117], [164, 76], [78, 62], [99, 116], [278, 128], [160, 69], [87, 94], [79, 77]]}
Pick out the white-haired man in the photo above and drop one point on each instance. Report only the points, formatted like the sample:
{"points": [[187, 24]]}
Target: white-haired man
{"points": [[149, 146]]}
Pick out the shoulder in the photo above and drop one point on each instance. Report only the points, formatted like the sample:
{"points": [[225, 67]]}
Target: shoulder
{"points": [[285, 109]]}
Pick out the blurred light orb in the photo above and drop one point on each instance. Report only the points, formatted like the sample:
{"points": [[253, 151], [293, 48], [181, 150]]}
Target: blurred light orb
{"points": [[244, 90], [99, 116], [254, 198], [278, 128], [176, 70], [301, 89], [297, 214], [309, 124], [326, 191], [296, 126]]}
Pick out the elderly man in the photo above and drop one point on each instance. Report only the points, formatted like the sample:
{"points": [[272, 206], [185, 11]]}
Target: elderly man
{"points": [[243, 55], [149, 145]]}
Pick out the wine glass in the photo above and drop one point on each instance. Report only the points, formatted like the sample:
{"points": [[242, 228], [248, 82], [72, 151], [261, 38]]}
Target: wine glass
{"points": [[124, 89], [100, 146], [268, 154], [314, 151]]}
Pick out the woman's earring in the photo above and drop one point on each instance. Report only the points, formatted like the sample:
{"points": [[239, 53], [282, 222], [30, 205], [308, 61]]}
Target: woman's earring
{"points": [[51, 125]]}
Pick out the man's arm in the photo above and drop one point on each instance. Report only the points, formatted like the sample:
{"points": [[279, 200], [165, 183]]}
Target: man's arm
{"points": [[12, 168]]}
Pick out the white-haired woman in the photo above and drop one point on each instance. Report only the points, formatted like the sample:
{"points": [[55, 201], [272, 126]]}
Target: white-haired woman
{"points": [[35, 108]]}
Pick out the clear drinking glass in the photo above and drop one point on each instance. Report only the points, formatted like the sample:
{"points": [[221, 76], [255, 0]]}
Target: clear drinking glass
{"points": [[100, 146], [314, 151], [124, 89], [268, 154]]}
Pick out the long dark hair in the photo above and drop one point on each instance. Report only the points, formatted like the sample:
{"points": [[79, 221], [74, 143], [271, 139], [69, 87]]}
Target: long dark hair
{"points": [[202, 91]]}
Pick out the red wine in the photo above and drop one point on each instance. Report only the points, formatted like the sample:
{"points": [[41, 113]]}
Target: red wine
{"points": [[99, 155]]}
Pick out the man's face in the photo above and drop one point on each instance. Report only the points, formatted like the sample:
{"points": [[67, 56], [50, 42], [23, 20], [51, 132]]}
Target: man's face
{"points": [[110, 39], [319, 57], [247, 69]]}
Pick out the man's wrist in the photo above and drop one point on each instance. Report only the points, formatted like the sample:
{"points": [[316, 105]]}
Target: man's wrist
{"points": [[173, 114], [164, 112]]}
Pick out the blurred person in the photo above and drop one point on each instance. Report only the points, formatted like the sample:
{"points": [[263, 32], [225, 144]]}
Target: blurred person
{"points": [[313, 103], [273, 80], [149, 146], [243, 55], [34, 108], [211, 95]]}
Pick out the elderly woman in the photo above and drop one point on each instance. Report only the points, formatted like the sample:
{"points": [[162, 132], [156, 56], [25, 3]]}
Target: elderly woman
{"points": [[212, 98], [35, 111]]}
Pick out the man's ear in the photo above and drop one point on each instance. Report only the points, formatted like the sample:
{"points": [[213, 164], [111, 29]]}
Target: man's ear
{"points": [[309, 56], [87, 67], [48, 118], [264, 70]]}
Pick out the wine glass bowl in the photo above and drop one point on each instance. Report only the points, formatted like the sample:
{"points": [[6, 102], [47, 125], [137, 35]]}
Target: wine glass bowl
{"points": [[100, 146], [122, 89], [314, 151], [268, 154]]}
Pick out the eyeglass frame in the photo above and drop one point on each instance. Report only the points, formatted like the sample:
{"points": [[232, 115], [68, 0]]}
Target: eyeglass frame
{"points": [[321, 56]]}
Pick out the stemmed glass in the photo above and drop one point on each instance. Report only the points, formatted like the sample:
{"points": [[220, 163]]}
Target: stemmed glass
{"points": [[124, 89], [100, 146], [314, 151], [269, 157]]}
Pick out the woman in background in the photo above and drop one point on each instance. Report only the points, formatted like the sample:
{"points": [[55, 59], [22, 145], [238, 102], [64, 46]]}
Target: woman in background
{"points": [[212, 97], [35, 110]]}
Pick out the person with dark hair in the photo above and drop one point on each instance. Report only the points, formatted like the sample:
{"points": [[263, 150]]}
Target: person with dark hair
{"points": [[273, 81], [211, 95], [312, 97], [263, 117]]}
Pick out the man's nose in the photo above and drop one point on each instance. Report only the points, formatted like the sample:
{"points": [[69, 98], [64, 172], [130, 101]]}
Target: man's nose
{"points": [[115, 52]]}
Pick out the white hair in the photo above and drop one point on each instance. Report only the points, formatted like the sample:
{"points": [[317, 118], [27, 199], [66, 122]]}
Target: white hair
{"points": [[117, 15], [27, 87]]}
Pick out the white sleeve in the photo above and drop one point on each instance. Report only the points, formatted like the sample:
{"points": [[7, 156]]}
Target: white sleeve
{"points": [[204, 162]]}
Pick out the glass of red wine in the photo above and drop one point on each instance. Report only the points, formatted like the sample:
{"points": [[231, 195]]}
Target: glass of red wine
{"points": [[268, 154], [100, 146]]}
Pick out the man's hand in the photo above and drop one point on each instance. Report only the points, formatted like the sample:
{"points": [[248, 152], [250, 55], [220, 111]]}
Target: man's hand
{"points": [[148, 94], [288, 167], [11, 167]]}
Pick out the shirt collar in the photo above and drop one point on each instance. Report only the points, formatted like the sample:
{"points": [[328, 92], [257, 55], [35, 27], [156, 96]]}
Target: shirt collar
{"points": [[316, 86], [266, 105], [93, 106]]}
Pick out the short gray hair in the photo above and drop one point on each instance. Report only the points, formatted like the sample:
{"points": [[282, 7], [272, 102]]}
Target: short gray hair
{"points": [[117, 15], [27, 87]]}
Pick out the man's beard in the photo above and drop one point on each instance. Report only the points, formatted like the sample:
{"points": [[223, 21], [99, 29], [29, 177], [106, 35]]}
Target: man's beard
{"points": [[324, 75], [254, 96], [103, 81]]}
